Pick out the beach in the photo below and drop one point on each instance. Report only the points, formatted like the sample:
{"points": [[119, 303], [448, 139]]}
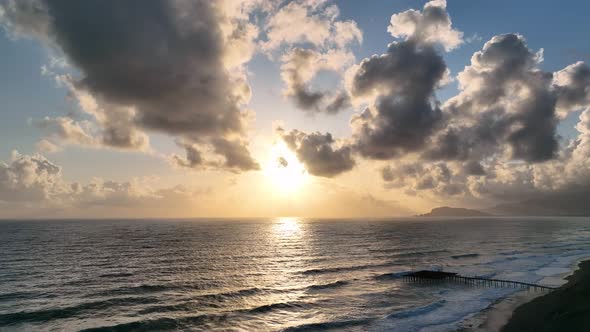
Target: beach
{"points": [[565, 309]]}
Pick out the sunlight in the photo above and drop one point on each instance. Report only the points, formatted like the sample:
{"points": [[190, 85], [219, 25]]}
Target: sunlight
{"points": [[287, 226], [283, 170]]}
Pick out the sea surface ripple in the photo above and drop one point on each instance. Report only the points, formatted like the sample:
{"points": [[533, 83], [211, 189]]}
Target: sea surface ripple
{"points": [[284, 274]]}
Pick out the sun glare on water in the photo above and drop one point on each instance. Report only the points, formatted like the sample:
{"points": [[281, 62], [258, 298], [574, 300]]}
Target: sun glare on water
{"points": [[283, 169]]}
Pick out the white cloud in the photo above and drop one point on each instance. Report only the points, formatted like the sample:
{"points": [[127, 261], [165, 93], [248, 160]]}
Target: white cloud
{"points": [[33, 182], [430, 26], [320, 42]]}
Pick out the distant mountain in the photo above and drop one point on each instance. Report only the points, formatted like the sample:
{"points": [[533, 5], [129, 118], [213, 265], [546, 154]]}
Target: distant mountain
{"points": [[446, 211], [562, 204]]}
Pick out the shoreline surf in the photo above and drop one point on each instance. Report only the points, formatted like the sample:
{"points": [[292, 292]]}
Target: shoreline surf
{"points": [[502, 312]]}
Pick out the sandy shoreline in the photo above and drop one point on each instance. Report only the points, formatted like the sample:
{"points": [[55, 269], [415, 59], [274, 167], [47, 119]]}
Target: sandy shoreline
{"points": [[494, 317], [500, 313]]}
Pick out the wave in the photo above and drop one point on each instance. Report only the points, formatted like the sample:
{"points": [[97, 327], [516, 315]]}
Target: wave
{"points": [[216, 297], [334, 284], [419, 253], [149, 288], [192, 305], [116, 275], [160, 324], [236, 293], [145, 288], [279, 306], [346, 268], [513, 252], [191, 322], [72, 311], [393, 275], [24, 295], [341, 324], [416, 311], [465, 256]]}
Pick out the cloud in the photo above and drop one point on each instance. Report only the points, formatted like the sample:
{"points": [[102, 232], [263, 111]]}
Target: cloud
{"points": [[193, 158], [316, 23], [473, 38], [301, 65], [399, 85], [30, 179], [34, 182], [573, 87], [557, 186], [68, 130], [170, 67], [24, 18], [45, 146], [319, 152], [473, 168], [235, 154], [431, 26], [281, 161], [184, 74], [403, 112], [505, 101], [321, 42], [413, 177]]}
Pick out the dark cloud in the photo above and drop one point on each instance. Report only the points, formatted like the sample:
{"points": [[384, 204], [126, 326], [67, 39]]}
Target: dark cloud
{"points": [[235, 156], [473, 168], [416, 177], [400, 85], [164, 63], [282, 161], [338, 102], [319, 101], [235, 153], [302, 65], [318, 152], [405, 112], [505, 100], [451, 145], [193, 158], [508, 104], [307, 100], [387, 174], [150, 56]]}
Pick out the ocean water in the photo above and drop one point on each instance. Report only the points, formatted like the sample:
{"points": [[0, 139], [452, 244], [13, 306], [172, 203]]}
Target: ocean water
{"points": [[269, 275]]}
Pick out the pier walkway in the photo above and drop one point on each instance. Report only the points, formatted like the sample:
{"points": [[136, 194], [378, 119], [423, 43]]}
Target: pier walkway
{"points": [[433, 276]]}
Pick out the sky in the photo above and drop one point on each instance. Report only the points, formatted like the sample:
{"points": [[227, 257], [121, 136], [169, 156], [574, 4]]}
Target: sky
{"points": [[309, 108]]}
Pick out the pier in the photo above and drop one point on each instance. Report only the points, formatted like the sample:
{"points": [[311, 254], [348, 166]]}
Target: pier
{"points": [[438, 276]]}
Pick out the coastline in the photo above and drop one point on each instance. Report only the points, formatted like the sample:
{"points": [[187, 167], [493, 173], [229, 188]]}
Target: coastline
{"points": [[517, 311], [565, 309], [494, 317]]}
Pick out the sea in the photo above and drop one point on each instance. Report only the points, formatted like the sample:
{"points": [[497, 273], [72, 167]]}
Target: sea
{"points": [[281, 274]]}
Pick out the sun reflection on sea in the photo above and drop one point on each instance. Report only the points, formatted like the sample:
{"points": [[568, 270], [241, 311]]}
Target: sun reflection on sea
{"points": [[287, 227]]}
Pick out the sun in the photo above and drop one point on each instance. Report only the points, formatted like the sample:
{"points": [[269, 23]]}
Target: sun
{"points": [[283, 170]]}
